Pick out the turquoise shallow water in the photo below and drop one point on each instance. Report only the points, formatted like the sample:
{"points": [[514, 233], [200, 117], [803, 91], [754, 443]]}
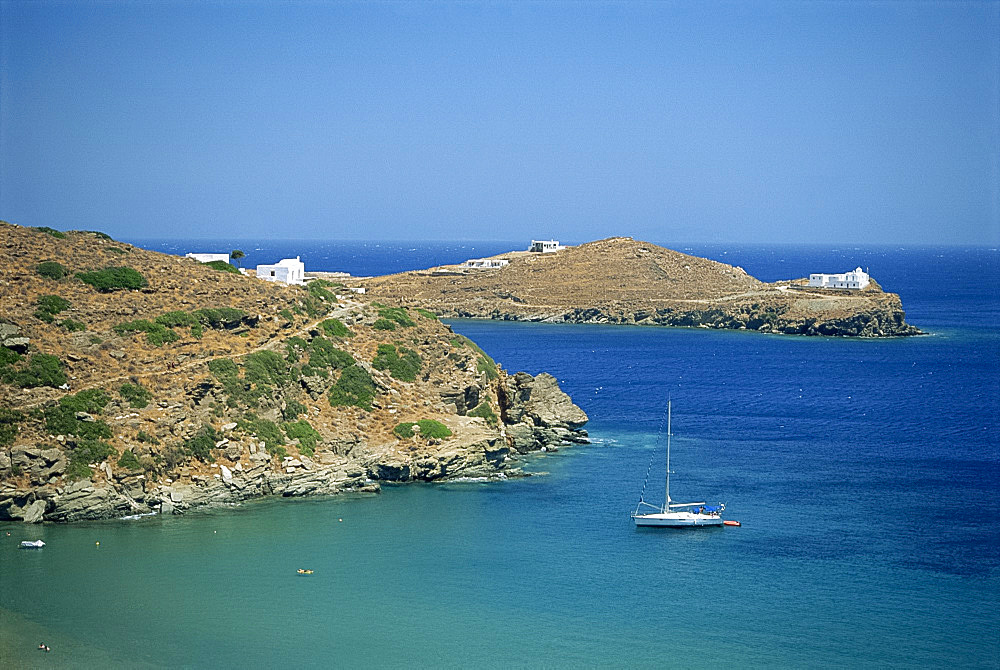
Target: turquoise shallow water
{"points": [[865, 474]]}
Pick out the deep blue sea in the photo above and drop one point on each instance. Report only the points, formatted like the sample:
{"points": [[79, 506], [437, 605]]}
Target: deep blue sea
{"points": [[865, 473]]}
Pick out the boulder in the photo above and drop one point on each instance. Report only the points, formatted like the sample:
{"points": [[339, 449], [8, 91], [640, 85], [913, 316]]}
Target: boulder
{"points": [[34, 512], [18, 344], [540, 400], [234, 451]]}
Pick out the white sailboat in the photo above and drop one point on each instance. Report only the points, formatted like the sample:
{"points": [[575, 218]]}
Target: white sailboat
{"points": [[676, 515]]}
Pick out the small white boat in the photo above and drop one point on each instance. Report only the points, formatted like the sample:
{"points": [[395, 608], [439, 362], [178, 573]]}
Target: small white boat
{"points": [[676, 515], [28, 544]]}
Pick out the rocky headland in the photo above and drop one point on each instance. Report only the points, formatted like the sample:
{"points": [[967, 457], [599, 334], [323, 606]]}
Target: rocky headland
{"points": [[624, 281], [133, 382]]}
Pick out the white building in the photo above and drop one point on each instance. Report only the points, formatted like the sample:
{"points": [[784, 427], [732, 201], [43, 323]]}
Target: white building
{"points": [[858, 279], [485, 263], [208, 258], [545, 246], [287, 270]]}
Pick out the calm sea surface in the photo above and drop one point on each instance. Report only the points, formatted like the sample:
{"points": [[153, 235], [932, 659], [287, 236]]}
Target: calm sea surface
{"points": [[866, 475]]}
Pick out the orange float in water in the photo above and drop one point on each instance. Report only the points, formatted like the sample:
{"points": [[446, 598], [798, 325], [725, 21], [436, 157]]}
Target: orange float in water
{"points": [[731, 523]]}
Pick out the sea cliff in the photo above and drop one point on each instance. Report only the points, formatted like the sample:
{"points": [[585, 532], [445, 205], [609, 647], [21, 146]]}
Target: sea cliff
{"points": [[134, 382]]}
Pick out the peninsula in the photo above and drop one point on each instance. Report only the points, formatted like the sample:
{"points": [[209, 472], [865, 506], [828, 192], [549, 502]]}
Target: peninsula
{"points": [[624, 281], [134, 382]]}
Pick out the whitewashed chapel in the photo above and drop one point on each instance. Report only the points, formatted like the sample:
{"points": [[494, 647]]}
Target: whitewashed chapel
{"points": [[858, 279], [287, 270]]}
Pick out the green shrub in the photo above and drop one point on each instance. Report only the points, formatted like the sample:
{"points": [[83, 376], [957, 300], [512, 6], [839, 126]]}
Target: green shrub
{"points": [[265, 368], [336, 328], [403, 365], [49, 306], [429, 428], [51, 270], [404, 430], [117, 250], [161, 336], [223, 367], [221, 318], [9, 418], [484, 411], [103, 236], [128, 461], [58, 234], [146, 438], [136, 395], [312, 307], [292, 410], [156, 333], [485, 365], [265, 430], [427, 314], [197, 330], [137, 326], [8, 357], [306, 435], [86, 452], [113, 279], [322, 354], [355, 387], [227, 373], [317, 289], [73, 326], [384, 324], [397, 314], [41, 370], [286, 314], [200, 446], [91, 401], [61, 420], [222, 266], [175, 319]]}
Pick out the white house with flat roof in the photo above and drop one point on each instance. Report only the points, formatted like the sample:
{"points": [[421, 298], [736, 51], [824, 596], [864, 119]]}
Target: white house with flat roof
{"points": [[858, 279], [485, 263], [545, 246], [208, 258], [287, 271]]}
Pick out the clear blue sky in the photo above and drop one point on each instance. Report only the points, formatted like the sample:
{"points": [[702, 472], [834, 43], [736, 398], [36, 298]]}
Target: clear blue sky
{"points": [[860, 122]]}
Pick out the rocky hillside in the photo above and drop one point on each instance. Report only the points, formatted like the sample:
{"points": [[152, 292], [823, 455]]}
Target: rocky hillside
{"points": [[133, 382], [621, 280]]}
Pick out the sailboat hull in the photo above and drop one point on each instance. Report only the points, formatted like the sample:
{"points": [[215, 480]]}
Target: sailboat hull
{"points": [[676, 520]]}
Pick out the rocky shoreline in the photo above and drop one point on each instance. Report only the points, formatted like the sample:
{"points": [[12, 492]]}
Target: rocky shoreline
{"points": [[536, 416], [134, 382], [886, 320]]}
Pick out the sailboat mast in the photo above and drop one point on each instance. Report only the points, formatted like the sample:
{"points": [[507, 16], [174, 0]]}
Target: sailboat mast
{"points": [[666, 502]]}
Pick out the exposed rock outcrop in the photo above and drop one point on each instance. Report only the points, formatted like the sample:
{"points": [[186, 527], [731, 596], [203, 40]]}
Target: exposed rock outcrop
{"points": [[538, 414]]}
